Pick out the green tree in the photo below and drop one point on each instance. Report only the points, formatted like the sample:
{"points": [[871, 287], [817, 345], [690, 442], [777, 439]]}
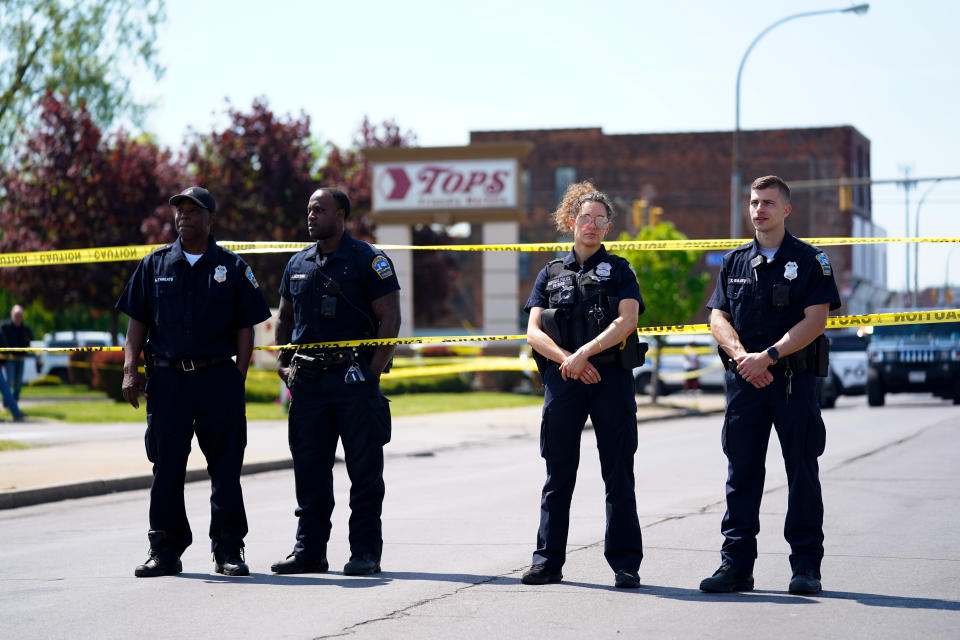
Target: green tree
{"points": [[672, 291], [83, 49]]}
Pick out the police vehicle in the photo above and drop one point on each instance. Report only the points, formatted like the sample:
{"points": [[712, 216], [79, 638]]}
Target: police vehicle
{"points": [[672, 373], [848, 360], [911, 358]]}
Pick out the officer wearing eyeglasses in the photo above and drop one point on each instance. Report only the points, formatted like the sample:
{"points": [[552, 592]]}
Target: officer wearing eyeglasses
{"points": [[337, 289], [582, 328]]}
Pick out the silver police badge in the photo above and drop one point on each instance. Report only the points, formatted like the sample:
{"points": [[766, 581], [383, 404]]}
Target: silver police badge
{"points": [[790, 271], [220, 274], [603, 269]]}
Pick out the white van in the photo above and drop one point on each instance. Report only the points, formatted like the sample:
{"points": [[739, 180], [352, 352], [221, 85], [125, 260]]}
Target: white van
{"points": [[56, 363]]}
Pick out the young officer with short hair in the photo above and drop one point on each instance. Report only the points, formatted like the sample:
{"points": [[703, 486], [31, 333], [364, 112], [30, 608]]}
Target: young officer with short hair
{"points": [[768, 314]]}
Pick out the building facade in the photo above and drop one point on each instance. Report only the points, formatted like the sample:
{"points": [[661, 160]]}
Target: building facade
{"points": [[688, 175]]}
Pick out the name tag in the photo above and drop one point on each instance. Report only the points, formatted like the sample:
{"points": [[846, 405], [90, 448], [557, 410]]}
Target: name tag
{"points": [[298, 276], [163, 279], [739, 280]]}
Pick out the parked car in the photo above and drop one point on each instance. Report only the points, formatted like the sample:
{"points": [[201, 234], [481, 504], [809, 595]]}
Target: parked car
{"points": [[672, 372], [56, 363], [910, 358]]}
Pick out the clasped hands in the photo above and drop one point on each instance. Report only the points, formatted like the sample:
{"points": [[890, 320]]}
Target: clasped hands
{"points": [[577, 366], [752, 367]]}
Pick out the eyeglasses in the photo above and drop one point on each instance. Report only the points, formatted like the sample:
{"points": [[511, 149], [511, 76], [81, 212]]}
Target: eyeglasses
{"points": [[585, 221]]}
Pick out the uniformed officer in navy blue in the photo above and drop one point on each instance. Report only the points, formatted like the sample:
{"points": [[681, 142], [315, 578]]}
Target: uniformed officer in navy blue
{"points": [[581, 309], [768, 314], [192, 308], [335, 290]]}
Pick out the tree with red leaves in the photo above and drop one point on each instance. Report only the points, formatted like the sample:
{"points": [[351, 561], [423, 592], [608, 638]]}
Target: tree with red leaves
{"points": [[259, 171], [70, 187]]}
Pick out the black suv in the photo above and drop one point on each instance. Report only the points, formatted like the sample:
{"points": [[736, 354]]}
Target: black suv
{"points": [[909, 358]]}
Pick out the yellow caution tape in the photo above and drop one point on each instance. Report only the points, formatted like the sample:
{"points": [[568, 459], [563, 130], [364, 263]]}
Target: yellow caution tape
{"points": [[479, 364], [136, 252], [836, 322], [689, 375]]}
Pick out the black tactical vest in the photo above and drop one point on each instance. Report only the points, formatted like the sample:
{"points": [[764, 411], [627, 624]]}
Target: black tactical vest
{"points": [[581, 303]]}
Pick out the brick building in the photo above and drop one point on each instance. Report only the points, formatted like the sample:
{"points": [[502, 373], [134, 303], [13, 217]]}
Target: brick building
{"points": [[688, 175]]}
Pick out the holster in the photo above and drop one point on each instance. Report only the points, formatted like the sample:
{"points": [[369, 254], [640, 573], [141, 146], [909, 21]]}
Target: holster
{"points": [[548, 322], [821, 356], [631, 352]]}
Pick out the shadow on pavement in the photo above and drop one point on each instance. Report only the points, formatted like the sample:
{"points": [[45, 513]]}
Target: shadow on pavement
{"points": [[899, 602], [336, 579]]}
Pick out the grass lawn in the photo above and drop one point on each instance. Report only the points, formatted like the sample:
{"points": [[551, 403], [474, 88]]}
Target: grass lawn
{"points": [[400, 405], [58, 390], [12, 445]]}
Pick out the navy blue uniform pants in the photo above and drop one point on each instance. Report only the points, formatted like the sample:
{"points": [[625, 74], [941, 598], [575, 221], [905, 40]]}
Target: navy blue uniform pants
{"points": [[324, 408], [613, 412], [210, 403], [746, 432]]}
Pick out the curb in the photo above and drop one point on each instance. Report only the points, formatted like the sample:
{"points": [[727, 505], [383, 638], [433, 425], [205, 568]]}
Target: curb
{"points": [[90, 488]]}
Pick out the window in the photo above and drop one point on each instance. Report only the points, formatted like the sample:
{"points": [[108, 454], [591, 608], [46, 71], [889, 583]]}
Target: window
{"points": [[563, 177]]}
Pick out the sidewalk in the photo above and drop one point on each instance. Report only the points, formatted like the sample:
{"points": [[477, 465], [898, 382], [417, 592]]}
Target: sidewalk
{"points": [[71, 460]]}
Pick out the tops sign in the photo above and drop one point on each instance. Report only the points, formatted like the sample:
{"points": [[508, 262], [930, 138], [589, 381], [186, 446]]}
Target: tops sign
{"points": [[445, 184]]}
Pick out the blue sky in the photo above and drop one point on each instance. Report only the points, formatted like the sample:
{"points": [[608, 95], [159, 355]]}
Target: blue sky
{"points": [[443, 69]]}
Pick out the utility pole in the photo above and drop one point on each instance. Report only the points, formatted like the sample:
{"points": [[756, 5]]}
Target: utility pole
{"points": [[907, 184]]}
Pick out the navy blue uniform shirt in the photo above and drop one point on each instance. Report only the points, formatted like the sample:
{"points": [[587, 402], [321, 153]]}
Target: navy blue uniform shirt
{"points": [[363, 273], [622, 277], [766, 302], [193, 311]]}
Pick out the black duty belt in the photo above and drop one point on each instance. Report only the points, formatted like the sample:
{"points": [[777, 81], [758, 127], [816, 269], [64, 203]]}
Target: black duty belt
{"points": [[321, 360], [190, 364], [796, 362]]}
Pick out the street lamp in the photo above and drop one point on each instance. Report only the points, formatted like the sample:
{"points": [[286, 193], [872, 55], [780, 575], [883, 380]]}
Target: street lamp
{"points": [[735, 213], [946, 277]]}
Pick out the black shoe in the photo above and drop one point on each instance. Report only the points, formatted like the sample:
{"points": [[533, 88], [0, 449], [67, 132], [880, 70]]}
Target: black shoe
{"points": [[297, 564], [538, 574], [626, 579], [160, 563], [726, 580], [362, 565], [230, 563], [805, 582]]}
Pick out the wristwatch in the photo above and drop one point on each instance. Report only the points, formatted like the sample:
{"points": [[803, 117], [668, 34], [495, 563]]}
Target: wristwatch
{"points": [[773, 354]]}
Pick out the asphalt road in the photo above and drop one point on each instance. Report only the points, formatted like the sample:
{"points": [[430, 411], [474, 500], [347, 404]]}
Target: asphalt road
{"points": [[459, 527]]}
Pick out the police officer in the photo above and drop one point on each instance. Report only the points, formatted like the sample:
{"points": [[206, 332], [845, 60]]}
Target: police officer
{"points": [[197, 304], [581, 309], [768, 314], [335, 290]]}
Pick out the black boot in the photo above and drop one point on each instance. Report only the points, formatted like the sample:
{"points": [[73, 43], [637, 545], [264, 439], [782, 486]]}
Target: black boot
{"points": [[163, 560], [230, 562], [363, 564], [805, 582], [298, 564], [727, 580]]}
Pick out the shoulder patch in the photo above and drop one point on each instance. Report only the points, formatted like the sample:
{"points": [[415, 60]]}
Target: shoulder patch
{"points": [[382, 266], [824, 264], [251, 278]]}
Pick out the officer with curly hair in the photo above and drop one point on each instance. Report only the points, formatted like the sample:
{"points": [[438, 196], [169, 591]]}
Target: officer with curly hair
{"points": [[582, 328]]}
